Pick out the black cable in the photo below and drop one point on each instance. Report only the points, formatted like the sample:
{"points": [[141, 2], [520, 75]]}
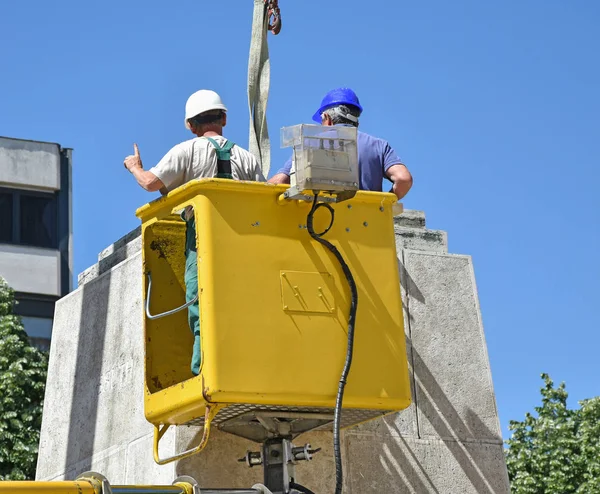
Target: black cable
{"points": [[309, 224], [337, 450], [300, 488]]}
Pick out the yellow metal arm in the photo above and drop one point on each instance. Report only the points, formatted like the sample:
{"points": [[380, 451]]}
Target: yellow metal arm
{"points": [[75, 487], [159, 432], [90, 487]]}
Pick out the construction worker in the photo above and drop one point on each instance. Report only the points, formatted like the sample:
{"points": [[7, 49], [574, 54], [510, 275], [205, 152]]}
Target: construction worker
{"points": [[376, 158], [206, 156]]}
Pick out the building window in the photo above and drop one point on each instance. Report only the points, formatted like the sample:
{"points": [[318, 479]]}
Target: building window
{"points": [[39, 331], [38, 220], [28, 218], [6, 217]]}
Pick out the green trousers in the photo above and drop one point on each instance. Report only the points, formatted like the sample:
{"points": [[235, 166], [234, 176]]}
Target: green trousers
{"points": [[191, 291]]}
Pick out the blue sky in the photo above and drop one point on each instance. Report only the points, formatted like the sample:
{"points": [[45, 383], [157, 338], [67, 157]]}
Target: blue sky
{"points": [[494, 106]]}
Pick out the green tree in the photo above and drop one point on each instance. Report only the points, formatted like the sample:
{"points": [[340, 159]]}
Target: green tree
{"points": [[22, 381], [558, 450]]}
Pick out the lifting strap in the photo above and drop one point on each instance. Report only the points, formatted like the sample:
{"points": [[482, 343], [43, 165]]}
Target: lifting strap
{"points": [[223, 158], [259, 75]]}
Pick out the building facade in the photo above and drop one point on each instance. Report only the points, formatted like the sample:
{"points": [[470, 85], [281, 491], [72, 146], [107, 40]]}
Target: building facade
{"points": [[36, 254]]}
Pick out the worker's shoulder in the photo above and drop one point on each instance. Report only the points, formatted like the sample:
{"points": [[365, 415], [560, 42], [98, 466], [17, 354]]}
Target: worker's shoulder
{"points": [[197, 144], [202, 143], [244, 153], [186, 146], [371, 139]]}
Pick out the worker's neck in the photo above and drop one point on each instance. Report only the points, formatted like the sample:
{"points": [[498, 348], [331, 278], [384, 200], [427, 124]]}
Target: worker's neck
{"points": [[210, 131]]}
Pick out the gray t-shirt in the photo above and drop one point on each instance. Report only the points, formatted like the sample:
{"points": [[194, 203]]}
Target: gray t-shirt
{"points": [[197, 158]]}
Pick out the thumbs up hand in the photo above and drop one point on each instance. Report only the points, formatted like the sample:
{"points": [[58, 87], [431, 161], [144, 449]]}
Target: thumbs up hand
{"points": [[134, 161]]}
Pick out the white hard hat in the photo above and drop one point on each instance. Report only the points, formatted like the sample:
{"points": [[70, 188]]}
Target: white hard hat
{"points": [[201, 102]]}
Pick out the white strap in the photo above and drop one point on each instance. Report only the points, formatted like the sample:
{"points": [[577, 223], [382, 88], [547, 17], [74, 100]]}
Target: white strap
{"points": [[259, 81]]}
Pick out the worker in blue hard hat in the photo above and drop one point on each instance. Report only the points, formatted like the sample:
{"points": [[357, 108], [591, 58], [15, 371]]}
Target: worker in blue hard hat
{"points": [[208, 155], [376, 158]]}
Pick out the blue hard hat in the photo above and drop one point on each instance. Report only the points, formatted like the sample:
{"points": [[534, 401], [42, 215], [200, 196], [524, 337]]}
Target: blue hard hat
{"points": [[336, 97]]}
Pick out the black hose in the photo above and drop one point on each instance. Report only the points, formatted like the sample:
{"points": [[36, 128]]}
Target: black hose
{"points": [[300, 488], [337, 450]]}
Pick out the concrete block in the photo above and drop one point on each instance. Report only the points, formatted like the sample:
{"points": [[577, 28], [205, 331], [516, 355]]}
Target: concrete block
{"points": [[108, 259], [454, 391], [402, 423], [411, 219], [217, 465], [141, 468], [128, 250], [122, 242], [393, 464], [319, 474], [88, 275], [421, 239], [58, 400], [112, 464], [94, 397]]}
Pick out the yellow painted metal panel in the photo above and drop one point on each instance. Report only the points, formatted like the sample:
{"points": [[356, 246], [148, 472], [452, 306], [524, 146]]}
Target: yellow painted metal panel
{"points": [[254, 350], [164, 244], [307, 292]]}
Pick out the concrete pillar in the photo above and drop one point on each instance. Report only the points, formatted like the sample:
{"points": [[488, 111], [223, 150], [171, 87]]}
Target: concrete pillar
{"points": [[448, 441]]}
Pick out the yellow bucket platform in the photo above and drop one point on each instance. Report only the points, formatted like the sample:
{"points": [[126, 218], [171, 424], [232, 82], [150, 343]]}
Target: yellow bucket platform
{"points": [[274, 306]]}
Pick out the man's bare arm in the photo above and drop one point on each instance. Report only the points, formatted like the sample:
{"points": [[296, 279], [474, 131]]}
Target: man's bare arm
{"points": [[401, 178], [147, 180], [279, 178]]}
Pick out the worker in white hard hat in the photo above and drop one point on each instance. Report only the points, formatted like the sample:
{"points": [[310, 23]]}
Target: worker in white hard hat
{"points": [[206, 156]]}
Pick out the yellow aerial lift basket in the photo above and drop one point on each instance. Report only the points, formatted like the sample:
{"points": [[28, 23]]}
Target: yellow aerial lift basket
{"points": [[274, 307]]}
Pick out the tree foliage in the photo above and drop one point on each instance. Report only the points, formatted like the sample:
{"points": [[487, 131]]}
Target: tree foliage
{"points": [[22, 382], [558, 450]]}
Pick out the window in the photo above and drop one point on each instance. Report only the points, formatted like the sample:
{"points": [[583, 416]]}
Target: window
{"points": [[28, 218], [38, 220], [6, 217]]}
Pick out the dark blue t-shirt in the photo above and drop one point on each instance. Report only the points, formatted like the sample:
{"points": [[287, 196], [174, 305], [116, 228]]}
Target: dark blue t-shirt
{"points": [[375, 157]]}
